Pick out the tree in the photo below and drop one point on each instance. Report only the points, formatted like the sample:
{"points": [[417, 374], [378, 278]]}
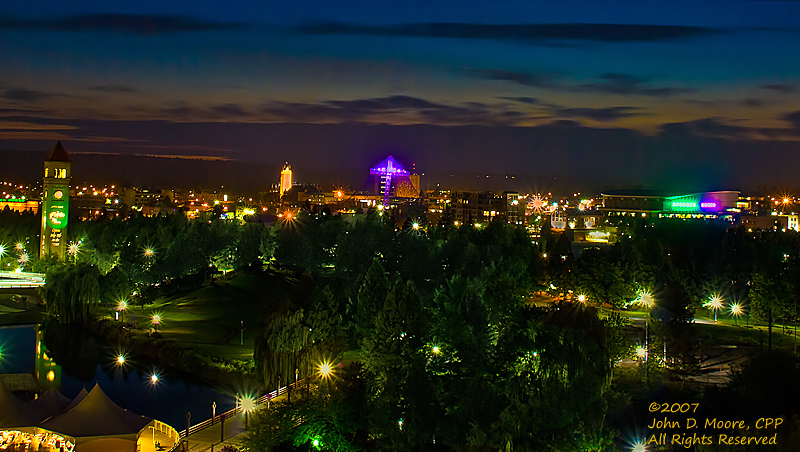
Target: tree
{"points": [[398, 388], [371, 297], [770, 295], [71, 292]]}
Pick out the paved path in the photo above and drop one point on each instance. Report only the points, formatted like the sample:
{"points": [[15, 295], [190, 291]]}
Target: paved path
{"points": [[210, 437]]}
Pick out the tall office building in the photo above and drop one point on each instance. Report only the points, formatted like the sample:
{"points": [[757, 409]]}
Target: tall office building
{"points": [[286, 179], [55, 202]]}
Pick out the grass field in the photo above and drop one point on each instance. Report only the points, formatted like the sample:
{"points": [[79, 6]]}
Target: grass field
{"points": [[209, 319]]}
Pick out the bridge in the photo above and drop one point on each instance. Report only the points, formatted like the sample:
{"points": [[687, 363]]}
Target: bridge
{"points": [[21, 280], [231, 424]]}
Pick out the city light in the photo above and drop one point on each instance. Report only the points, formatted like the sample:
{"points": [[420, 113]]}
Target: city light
{"points": [[23, 258], [436, 349], [415, 225], [73, 249], [19, 246], [122, 305], [121, 360], [582, 298], [149, 252], [315, 443], [248, 403], [638, 446], [2, 250], [156, 320], [154, 378], [736, 311], [325, 370], [715, 303], [645, 299], [641, 352]]}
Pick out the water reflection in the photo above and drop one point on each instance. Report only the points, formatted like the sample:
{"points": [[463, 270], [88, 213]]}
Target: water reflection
{"points": [[71, 359]]}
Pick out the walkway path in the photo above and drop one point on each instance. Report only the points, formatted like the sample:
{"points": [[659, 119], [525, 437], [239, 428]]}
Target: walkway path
{"points": [[210, 436]]}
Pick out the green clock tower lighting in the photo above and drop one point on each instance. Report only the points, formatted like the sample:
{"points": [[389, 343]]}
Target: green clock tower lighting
{"points": [[55, 202]]}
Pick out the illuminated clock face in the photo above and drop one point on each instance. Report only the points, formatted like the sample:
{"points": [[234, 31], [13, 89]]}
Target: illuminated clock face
{"points": [[58, 194]]}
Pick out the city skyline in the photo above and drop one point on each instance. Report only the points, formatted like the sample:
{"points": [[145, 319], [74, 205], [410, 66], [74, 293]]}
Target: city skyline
{"points": [[658, 94]]}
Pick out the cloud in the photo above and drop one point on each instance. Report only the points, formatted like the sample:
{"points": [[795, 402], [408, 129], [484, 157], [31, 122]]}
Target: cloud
{"points": [[781, 87], [617, 83], [718, 104], [607, 114], [515, 32], [523, 100], [231, 110], [26, 95], [136, 24], [115, 89], [793, 118], [392, 109], [532, 79], [613, 83], [716, 128]]}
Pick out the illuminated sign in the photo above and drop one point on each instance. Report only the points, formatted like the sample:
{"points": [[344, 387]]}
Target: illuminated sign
{"points": [[708, 205], [57, 214], [684, 204]]}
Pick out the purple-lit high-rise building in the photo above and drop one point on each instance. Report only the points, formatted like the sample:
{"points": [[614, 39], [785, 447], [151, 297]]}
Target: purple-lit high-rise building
{"points": [[393, 180]]}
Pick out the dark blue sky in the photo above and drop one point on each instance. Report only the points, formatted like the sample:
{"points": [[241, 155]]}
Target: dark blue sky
{"points": [[573, 88]]}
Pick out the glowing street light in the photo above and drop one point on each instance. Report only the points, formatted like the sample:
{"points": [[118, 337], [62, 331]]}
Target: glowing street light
{"points": [[641, 352], [436, 349], [638, 446], [715, 303], [20, 247], [149, 252], [415, 225], [73, 249], [645, 299], [325, 370], [121, 360], [248, 404], [154, 378], [2, 250], [156, 320], [582, 298], [23, 259], [736, 311]]}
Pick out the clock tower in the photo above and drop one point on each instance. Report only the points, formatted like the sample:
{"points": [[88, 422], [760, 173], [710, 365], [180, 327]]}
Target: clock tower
{"points": [[55, 202]]}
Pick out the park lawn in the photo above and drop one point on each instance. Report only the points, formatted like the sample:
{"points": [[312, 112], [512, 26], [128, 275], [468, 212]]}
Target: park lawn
{"points": [[725, 334], [208, 319], [18, 312]]}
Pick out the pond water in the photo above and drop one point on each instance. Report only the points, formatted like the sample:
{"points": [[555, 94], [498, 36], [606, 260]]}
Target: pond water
{"points": [[78, 362]]}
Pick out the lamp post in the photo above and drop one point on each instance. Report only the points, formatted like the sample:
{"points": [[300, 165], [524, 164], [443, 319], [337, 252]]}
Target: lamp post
{"points": [[213, 411]]}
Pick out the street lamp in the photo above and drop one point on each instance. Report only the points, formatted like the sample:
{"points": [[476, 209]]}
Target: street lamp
{"points": [[248, 404], [645, 299], [582, 298], [715, 303], [156, 320], [154, 378], [121, 307], [736, 311], [325, 370], [120, 360]]}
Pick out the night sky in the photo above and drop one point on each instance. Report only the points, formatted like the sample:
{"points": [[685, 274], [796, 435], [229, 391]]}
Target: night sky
{"points": [[690, 93]]}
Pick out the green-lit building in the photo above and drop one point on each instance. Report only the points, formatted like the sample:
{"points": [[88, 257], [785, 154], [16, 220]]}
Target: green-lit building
{"points": [[55, 202], [712, 204]]}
